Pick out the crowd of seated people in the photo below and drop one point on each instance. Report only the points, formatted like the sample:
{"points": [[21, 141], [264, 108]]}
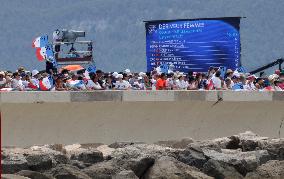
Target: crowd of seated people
{"points": [[64, 80]]}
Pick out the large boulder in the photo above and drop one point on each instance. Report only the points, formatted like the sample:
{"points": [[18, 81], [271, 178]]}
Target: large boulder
{"points": [[102, 170], [178, 144], [13, 162], [243, 162], [64, 171], [192, 156], [12, 176], [106, 150], [170, 168], [39, 162], [139, 165], [86, 155], [275, 148], [220, 170], [273, 169], [55, 152], [33, 175]]}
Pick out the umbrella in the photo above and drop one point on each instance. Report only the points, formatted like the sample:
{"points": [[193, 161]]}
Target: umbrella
{"points": [[73, 67]]}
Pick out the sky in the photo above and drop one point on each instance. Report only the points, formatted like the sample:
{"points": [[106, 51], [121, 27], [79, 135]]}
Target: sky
{"points": [[118, 30]]}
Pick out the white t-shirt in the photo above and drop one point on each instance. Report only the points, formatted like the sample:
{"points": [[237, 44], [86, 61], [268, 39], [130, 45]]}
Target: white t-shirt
{"points": [[249, 86], [217, 82], [181, 84], [170, 83], [154, 82], [93, 85], [122, 85], [17, 84], [3, 82]]}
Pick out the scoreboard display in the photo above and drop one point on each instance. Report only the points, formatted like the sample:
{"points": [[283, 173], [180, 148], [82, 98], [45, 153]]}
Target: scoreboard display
{"points": [[193, 45]]}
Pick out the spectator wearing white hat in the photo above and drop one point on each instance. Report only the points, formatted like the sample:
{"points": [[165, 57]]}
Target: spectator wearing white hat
{"points": [[138, 84], [181, 83], [249, 86], [121, 84], [34, 82]]}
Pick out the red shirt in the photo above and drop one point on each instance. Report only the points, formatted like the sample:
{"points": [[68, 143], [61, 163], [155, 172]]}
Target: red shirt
{"points": [[161, 84], [281, 86]]}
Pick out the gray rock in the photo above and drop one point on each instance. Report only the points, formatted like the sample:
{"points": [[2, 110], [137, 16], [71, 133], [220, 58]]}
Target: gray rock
{"points": [[59, 158], [11, 176], [139, 166], [220, 170], [242, 161], [78, 164], [87, 156], [170, 168], [125, 174], [123, 144], [33, 174], [275, 148], [102, 170], [192, 156], [14, 163], [178, 144], [63, 171], [273, 169], [234, 143], [39, 162]]}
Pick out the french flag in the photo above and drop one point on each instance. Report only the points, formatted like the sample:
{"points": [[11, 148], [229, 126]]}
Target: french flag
{"points": [[41, 53], [40, 41]]}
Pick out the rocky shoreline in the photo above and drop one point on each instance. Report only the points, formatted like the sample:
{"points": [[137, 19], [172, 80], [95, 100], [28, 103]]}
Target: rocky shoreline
{"points": [[245, 155]]}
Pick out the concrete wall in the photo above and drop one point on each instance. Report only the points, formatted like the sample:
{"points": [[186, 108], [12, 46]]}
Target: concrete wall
{"points": [[30, 118]]}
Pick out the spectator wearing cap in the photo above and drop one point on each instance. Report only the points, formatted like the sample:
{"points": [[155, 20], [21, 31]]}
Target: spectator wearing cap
{"points": [[161, 82], [229, 75], [259, 83], [249, 86], [138, 84], [34, 82], [271, 85], [121, 84], [181, 83]]}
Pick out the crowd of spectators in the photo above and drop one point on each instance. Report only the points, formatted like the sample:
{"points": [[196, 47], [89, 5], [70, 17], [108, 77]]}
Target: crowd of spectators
{"points": [[66, 80]]}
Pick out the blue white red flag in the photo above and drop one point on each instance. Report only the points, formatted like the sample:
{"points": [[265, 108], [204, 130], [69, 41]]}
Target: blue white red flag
{"points": [[40, 41], [41, 53]]}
